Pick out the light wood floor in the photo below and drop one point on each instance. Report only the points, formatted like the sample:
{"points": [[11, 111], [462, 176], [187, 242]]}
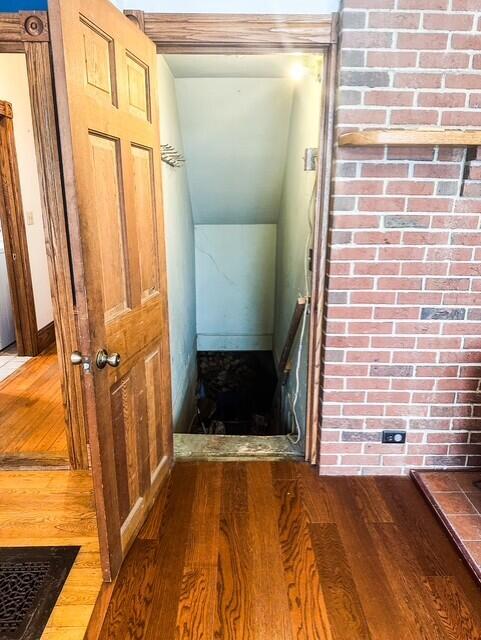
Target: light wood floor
{"points": [[41, 508], [270, 551], [31, 409]]}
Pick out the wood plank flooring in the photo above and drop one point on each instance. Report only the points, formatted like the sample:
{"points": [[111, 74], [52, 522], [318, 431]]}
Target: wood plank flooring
{"points": [[42, 508], [31, 410], [270, 551]]}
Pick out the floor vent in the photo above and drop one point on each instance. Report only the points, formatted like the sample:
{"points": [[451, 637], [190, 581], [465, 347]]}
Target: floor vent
{"points": [[31, 579]]}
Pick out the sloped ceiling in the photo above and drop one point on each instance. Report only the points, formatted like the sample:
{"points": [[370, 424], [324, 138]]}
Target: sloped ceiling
{"points": [[234, 113]]}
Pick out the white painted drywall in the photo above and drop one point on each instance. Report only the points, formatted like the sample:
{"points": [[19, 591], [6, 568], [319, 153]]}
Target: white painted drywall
{"points": [[179, 233], [14, 89], [235, 135], [235, 283], [293, 228], [241, 6]]}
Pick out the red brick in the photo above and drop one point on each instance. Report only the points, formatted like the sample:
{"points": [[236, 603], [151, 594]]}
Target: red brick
{"points": [[340, 284], [377, 268], [391, 59], [473, 239], [392, 396], [359, 187], [411, 153], [465, 41], [455, 222], [363, 410], [439, 5], [425, 237], [367, 356], [382, 205], [361, 116], [355, 222], [400, 283], [373, 297], [425, 269], [447, 100], [419, 80], [419, 297], [461, 118], [368, 4], [389, 98], [410, 357], [388, 170], [414, 116], [430, 204], [422, 41], [450, 253], [447, 22], [437, 170], [465, 5], [350, 312], [465, 269], [475, 103], [416, 383], [396, 313], [463, 81], [352, 253], [410, 187], [370, 327], [393, 342], [358, 39], [401, 253], [417, 327], [394, 20], [345, 342], [438, 343], [448, 284], [440, 60]]}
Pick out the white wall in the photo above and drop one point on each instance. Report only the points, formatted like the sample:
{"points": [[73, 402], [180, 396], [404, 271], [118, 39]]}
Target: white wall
{"points": [[293, 227], [14, 89], [241, 6], [235, 135], [235, 278], [179, 232]]}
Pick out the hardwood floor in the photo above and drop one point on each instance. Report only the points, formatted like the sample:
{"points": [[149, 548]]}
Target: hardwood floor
{"points": [[270, 551], [42, 508], [31, 411]]}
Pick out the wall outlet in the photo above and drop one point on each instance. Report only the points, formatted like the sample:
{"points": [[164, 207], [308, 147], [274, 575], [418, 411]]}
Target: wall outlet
{"points": [[394, 437]]}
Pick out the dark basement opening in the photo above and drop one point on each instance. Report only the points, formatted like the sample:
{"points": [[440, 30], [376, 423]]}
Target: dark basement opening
{"points": [[235, 393]]}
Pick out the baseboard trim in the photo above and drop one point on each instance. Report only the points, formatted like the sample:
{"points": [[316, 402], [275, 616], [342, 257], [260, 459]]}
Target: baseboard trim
{"points": [[46, 336]]}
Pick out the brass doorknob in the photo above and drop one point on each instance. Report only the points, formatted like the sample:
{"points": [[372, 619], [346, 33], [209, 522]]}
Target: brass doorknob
{"points": [[104, 358]]}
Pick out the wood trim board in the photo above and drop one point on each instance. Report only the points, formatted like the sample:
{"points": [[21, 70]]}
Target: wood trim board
{"points": [[411, 138], [15, 239], [46, 336], [236, 33]]}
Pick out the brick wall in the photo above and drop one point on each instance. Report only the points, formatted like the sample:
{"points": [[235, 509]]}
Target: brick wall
{"points": [[403, 318]]}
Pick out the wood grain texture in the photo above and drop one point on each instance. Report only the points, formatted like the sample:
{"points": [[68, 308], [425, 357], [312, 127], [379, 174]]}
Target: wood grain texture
{"points": [[24, 26], [41, 508], [31, 414], [261, 550], [209, 32], [107, 98], [47, 151], [15, 240], [411, 138]]}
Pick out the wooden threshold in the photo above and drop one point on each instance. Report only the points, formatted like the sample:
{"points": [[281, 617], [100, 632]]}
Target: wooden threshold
{"points": [[411, 138]]}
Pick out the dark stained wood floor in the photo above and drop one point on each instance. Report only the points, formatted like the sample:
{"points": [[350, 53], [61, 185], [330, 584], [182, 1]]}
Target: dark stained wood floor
{"points": [[270, 551]]}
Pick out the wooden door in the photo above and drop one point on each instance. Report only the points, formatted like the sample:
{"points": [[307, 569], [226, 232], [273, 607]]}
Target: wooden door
{"points": [[106, 84]]}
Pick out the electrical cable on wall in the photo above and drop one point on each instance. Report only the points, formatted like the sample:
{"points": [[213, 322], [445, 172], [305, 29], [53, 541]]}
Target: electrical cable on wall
{"points": [[295, 436]]}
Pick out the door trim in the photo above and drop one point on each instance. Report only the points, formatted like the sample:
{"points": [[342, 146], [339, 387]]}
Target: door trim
{"points": [[15, 239], [28, 33], [254, 34], [235, 33]]}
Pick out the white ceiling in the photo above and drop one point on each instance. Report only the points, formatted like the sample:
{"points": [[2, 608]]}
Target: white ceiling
{"points": [[233, 66], [235, 134]]}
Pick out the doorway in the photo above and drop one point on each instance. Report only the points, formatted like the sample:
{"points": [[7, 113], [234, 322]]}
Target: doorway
{"points": [[241, 138], [32, 424]]}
